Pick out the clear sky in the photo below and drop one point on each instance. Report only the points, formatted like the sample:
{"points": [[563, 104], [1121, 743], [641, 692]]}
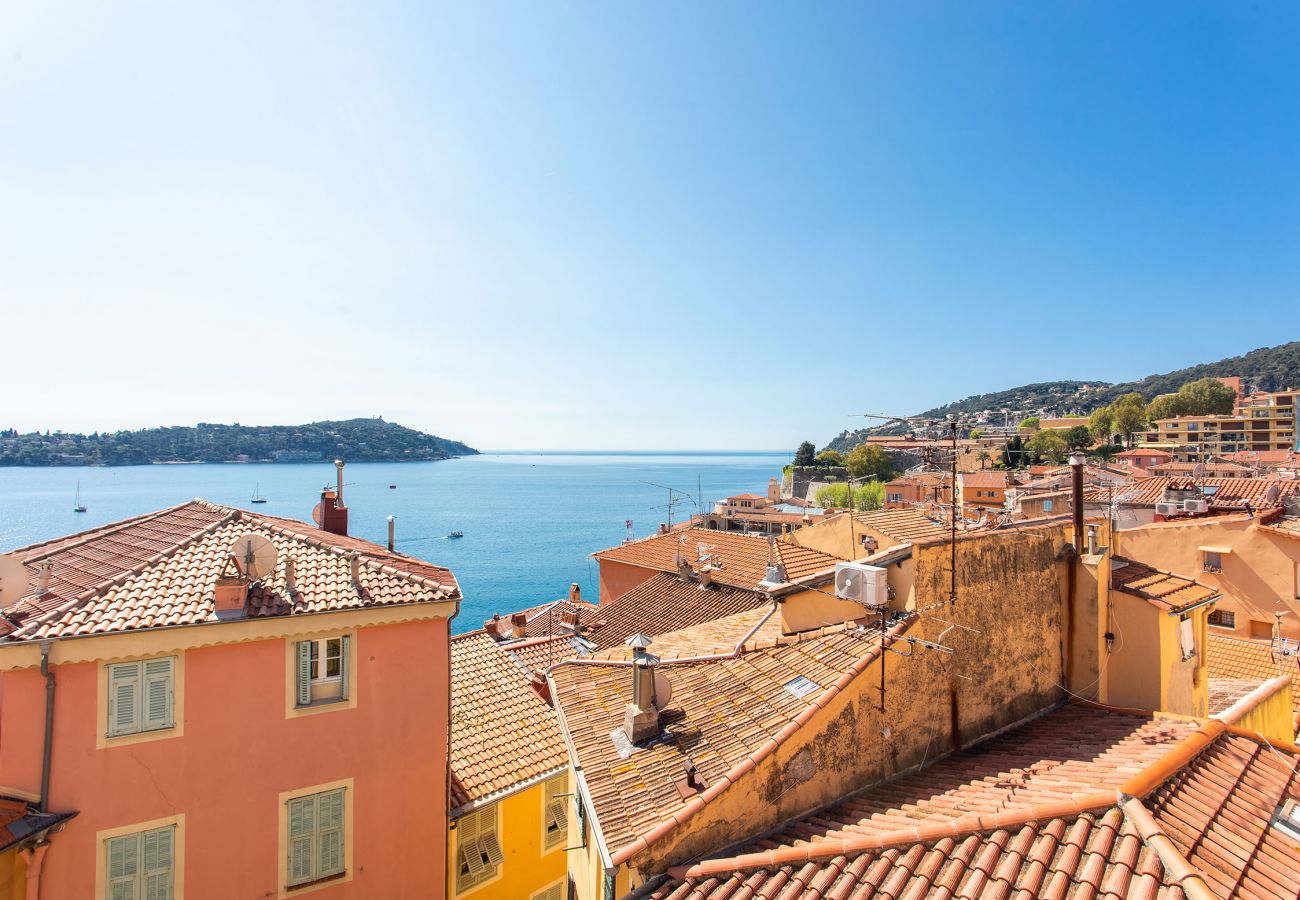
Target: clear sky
{"points": [[617, 225]]}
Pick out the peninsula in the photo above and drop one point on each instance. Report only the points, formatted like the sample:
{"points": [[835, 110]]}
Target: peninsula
{"points": [[357, 440]]}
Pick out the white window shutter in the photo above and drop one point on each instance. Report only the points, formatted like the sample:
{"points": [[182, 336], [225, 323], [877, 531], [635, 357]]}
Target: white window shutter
{"points": [[124, 698], [344, 665], [302, 834], [158, 853], [304, 673], [124, 867], [330, 825], [157, 693]]}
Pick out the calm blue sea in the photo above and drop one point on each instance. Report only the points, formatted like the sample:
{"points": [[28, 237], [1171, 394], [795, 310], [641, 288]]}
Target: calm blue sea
{"points": [[531, 520]]}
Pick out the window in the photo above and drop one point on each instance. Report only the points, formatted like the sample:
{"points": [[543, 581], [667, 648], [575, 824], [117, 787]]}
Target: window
{"points": [[322, 670], [141, 866], [555, 813], [1213, 561], [140, 696], [554, 892], [580, 814], [316, 848], [1223, 618], [1047, 506], [478, 853]]}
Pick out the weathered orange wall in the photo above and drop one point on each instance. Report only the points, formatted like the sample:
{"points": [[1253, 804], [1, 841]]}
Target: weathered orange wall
{"points": [[617, 578], [238, 753]]}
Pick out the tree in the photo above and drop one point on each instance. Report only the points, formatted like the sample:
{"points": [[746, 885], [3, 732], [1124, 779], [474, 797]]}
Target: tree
{"points": [[1031, 422], [1106, 451], [1078, 437], [866, 497], [1048, 446], [1013, 455], [1166, 406], [869, 461], [983, 457], [976, 434], [1102, 424], [830, 458], [1207, 397], [806, 455], [1130, 412]]}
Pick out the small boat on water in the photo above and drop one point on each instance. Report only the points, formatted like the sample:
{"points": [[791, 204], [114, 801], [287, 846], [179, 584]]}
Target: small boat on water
{"points": [[392, 487], [257, 498], [455, 534], [76, 503]]}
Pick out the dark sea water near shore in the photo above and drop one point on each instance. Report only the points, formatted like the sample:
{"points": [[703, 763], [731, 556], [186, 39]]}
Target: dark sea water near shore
{"points": [[531, 520]]}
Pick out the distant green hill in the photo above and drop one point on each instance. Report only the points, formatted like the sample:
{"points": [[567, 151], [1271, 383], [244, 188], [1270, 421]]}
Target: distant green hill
{"points": [[356, 440], [1266, 369]]}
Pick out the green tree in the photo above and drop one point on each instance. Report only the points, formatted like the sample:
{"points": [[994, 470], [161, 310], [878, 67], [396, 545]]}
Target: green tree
{"points": [[806, 455], [1102, 424], [1048, 446], [866, 496], [869, 461], [1130, 412], [830, 458], [1207, 397], [976, 434], [1078, 437], [983, 457], [1031, 422]]}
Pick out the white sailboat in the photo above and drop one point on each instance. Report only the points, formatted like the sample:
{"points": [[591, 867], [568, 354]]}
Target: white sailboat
{"points": [[76, 503], [256, 498]]}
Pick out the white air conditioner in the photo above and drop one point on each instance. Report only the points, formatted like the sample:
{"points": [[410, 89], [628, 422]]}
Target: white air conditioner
{"points": [[861, 583], [1196, 506], [1168, 509]]}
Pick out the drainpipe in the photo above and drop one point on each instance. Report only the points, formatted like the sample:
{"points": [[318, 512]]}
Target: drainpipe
{"points": [[34, 857], [1076, 466], [49, 726]]}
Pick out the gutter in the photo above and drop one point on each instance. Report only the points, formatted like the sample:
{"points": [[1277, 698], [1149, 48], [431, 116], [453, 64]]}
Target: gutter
{"points": [[48, 747]]}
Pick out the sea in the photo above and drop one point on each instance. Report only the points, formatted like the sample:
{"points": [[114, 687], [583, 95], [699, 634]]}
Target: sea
{"points": [[530, 520]]}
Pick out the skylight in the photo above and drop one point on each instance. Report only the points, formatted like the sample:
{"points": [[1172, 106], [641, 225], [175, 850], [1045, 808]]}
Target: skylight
{"points": [[800, 687]]}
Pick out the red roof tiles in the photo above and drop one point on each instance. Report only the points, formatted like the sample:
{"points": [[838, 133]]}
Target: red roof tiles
{"points": [[1149, 491], [502, 732], [665, 603], [161, 570], [1234, 658], [1171, 593], [1042, 811], [741, 558]]}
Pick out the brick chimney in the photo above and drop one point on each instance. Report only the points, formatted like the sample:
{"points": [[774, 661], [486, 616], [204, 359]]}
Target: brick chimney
{"points": [[231, 594], [575, 593], [518, 624], [333, 512]]}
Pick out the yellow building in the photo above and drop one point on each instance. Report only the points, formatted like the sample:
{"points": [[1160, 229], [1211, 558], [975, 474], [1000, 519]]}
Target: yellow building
{"points": [[510, 796], [1260, 422]]}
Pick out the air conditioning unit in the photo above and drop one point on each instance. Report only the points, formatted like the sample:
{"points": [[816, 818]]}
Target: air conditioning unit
{"points": [[1196, 506], [861, 583], [1168, 509]]}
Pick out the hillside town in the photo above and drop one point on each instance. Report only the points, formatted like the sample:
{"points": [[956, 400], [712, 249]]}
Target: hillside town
{"points": [[1057, 658]]}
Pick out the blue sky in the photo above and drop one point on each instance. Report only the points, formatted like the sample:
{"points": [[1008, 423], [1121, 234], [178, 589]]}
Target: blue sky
{"points": [[631, 226]]}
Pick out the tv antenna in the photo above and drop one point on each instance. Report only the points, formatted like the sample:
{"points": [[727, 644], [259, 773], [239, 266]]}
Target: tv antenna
{"points": [[675, 499]]}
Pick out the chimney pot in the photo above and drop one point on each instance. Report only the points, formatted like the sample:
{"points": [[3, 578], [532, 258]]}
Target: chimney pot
{"points": [[43, 577], [231, 595], [663, 528], [518, 625], [354, 561], [392, 528], [575, 593]]}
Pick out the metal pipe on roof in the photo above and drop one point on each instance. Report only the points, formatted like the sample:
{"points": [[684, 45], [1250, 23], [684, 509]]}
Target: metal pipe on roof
{"points": [[1076, 499]]}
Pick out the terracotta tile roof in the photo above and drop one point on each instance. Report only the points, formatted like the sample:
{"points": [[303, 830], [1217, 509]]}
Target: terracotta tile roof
{"points": [[1042, 811], [538, 654], [715, 636], [1149, 491], [161, 570], [1267, 458], [502, 732], [1171, 593], [1287, 526], [20, 820], [1143, 452], [1209, 469], [1224, 692], [903, 525], [746, 497], [1234, 658], [742, 557], [665, 603], [991, 478], [724, 714]]}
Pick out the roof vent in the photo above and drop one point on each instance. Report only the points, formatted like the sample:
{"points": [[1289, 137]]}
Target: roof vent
{"points": [[43, 576], [641, 718], [518, 624]]}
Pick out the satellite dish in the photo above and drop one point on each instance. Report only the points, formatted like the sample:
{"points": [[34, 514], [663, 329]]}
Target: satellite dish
{"points": [[255, 556], [315, 513], [15, 580], [663, 690], [1272, 495]]}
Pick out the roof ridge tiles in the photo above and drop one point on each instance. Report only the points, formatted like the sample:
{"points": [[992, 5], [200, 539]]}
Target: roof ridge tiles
{"points": [[82, 538]]}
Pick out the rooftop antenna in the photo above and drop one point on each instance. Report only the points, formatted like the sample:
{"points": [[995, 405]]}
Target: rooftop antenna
{"points": [[672, 500]]}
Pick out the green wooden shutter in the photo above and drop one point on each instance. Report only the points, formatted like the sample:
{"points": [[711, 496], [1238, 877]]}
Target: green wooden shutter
{"points": [[124, 867], [158, 852], [124, 698], [157, 694], [330, 833], [344, 666], [302, 835], [304, 673]]}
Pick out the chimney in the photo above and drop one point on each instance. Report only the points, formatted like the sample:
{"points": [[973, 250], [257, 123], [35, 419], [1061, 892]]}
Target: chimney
{"points": [[43, 576], [571, 621], [1076, 499], [333, 512], [641, 718], [392, 528], [518, 624], [493, 626], [663, 528], [290, 571], [231, 594], [575, 593]]}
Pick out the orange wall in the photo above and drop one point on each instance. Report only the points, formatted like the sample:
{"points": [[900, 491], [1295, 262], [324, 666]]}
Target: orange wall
{"points": [[237, 754], [616, 579]]}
